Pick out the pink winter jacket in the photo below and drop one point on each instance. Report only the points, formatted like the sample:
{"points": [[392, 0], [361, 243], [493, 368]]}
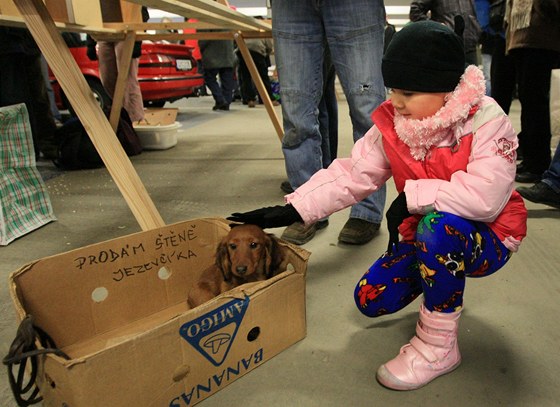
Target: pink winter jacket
{"points": [[470, 175]]}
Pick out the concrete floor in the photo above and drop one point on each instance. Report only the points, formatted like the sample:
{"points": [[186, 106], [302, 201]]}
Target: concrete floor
{"points": [[231, 161]]}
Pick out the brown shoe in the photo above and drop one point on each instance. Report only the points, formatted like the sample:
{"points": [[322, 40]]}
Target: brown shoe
{"points": [[297, 233], [251, 103], [358, 231]]}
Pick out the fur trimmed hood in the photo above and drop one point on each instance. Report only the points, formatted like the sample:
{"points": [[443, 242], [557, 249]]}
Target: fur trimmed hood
{"points": [[421, 135]]}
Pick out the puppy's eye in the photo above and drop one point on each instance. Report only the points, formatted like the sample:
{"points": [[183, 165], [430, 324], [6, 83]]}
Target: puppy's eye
{"points": [[253, 245], [232, 246]]}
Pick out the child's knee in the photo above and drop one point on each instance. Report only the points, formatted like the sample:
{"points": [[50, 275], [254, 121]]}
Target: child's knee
{"points": [[367, 299]]}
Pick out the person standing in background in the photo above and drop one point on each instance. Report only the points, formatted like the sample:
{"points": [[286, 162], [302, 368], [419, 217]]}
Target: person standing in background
{"points": [[445, 11], [109, 54], [218, 59], [533, 43], [22, 81], [260, 49]]}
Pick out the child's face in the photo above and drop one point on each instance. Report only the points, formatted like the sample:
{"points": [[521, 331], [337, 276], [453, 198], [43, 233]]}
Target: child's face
{"points": [[416, 105]]}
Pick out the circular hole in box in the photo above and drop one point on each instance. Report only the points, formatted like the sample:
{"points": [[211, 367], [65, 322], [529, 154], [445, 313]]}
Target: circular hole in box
{"points": [[253, 334]]}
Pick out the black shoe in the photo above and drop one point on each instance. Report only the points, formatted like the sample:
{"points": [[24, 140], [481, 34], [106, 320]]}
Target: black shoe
{"points": [[541, 193], [358, 231], [286, 187], [527, 177], [297, 233], [221, 106]]}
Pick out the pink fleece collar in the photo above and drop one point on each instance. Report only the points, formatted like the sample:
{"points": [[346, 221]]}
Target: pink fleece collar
{"points": [[421, 135]]}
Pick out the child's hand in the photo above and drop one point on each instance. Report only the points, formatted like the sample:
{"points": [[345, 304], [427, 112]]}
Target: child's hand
{"points": [[269, 217], [395, 216]]}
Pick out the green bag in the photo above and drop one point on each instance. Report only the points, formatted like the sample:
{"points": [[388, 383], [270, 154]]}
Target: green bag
{"points": [[25, 201]]}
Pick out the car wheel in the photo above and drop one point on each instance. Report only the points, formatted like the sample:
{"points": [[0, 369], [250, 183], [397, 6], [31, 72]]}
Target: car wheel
{"points": [[99, 93]]}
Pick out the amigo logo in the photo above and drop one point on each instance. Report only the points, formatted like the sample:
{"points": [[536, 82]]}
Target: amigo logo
{"points": [[213, 333]]}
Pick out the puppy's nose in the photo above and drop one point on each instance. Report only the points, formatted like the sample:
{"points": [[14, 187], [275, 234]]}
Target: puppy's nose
{"points": [[241, 269]]}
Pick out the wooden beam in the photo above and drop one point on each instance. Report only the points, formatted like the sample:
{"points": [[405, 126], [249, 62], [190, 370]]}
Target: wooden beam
{"points": [[263, 93], [208, 11], [196, 25], [114, 34], [122, 78], [59, 58]]}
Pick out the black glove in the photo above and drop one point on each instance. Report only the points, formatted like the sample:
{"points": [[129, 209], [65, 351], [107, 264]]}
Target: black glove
{"points": [[395, 216], [270, 217], [91, 52]]}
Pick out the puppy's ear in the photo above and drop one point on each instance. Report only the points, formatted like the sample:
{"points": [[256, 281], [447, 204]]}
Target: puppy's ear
{"points": [[223, 261], [274, 256]]}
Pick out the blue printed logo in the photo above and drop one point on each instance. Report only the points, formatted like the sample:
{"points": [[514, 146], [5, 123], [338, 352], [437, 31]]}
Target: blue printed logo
{"points": [[212, 334]]}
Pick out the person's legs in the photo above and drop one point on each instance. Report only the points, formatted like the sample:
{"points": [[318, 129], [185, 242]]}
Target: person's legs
{"points": [[502, 75], [552, 175], [298, 36], [299, 42], [355, 36], [534, 67], [328, 112], [21, 81], [210, 75], [132, 102], [261, 64], [108, 70], [448, 249], [227, 82], [390, 284], [247, 88], [50, 92], [547, 191], [486, 64]]}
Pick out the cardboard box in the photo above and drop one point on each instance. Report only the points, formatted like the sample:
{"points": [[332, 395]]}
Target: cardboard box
{"points": [[118, 309], [159, 116], [158, 137]]}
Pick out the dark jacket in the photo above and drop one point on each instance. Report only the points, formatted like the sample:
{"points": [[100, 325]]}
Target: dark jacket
{"points": [[444, 11], [217, 53], [543, 31]]}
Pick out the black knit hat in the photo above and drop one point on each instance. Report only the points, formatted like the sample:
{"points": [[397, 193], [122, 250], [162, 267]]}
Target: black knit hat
{"points": [[424, 56]]}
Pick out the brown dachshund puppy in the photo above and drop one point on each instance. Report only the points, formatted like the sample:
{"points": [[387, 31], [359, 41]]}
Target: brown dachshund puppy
{"points": [[245, 255]]}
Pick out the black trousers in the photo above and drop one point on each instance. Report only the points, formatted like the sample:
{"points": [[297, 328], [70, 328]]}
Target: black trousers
{"points": [[21, 81], [533, 69], [248, 89]]}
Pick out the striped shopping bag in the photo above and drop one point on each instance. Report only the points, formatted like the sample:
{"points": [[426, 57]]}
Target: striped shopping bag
{"points": [[25, 202]]}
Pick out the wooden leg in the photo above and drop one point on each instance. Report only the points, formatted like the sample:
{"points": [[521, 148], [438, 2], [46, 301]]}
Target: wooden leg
{"points": [[58, 56], [259, 84], [120, 86]]}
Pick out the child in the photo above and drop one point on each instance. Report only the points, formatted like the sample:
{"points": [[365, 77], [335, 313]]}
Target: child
{"points": [[451, 152]]}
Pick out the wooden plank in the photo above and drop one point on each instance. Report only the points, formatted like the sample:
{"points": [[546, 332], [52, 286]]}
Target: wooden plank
{"points": [[122, 77], [246, 54], [114, 34], [75, 87], [207, 11]]}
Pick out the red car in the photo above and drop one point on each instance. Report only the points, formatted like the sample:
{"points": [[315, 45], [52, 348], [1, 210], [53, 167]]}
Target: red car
{"points": [[167, 72]]}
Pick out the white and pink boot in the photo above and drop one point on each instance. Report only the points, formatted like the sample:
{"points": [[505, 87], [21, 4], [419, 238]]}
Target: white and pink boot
{"points": [[431, 353]]}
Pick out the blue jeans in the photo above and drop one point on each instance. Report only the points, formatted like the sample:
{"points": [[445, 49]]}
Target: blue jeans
{"points": [[353, 32], [551, 177], [222, 91]]}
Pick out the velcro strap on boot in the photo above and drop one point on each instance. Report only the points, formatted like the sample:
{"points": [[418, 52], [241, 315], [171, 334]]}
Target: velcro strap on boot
{"points": [[423, 349], [436, 340]]}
